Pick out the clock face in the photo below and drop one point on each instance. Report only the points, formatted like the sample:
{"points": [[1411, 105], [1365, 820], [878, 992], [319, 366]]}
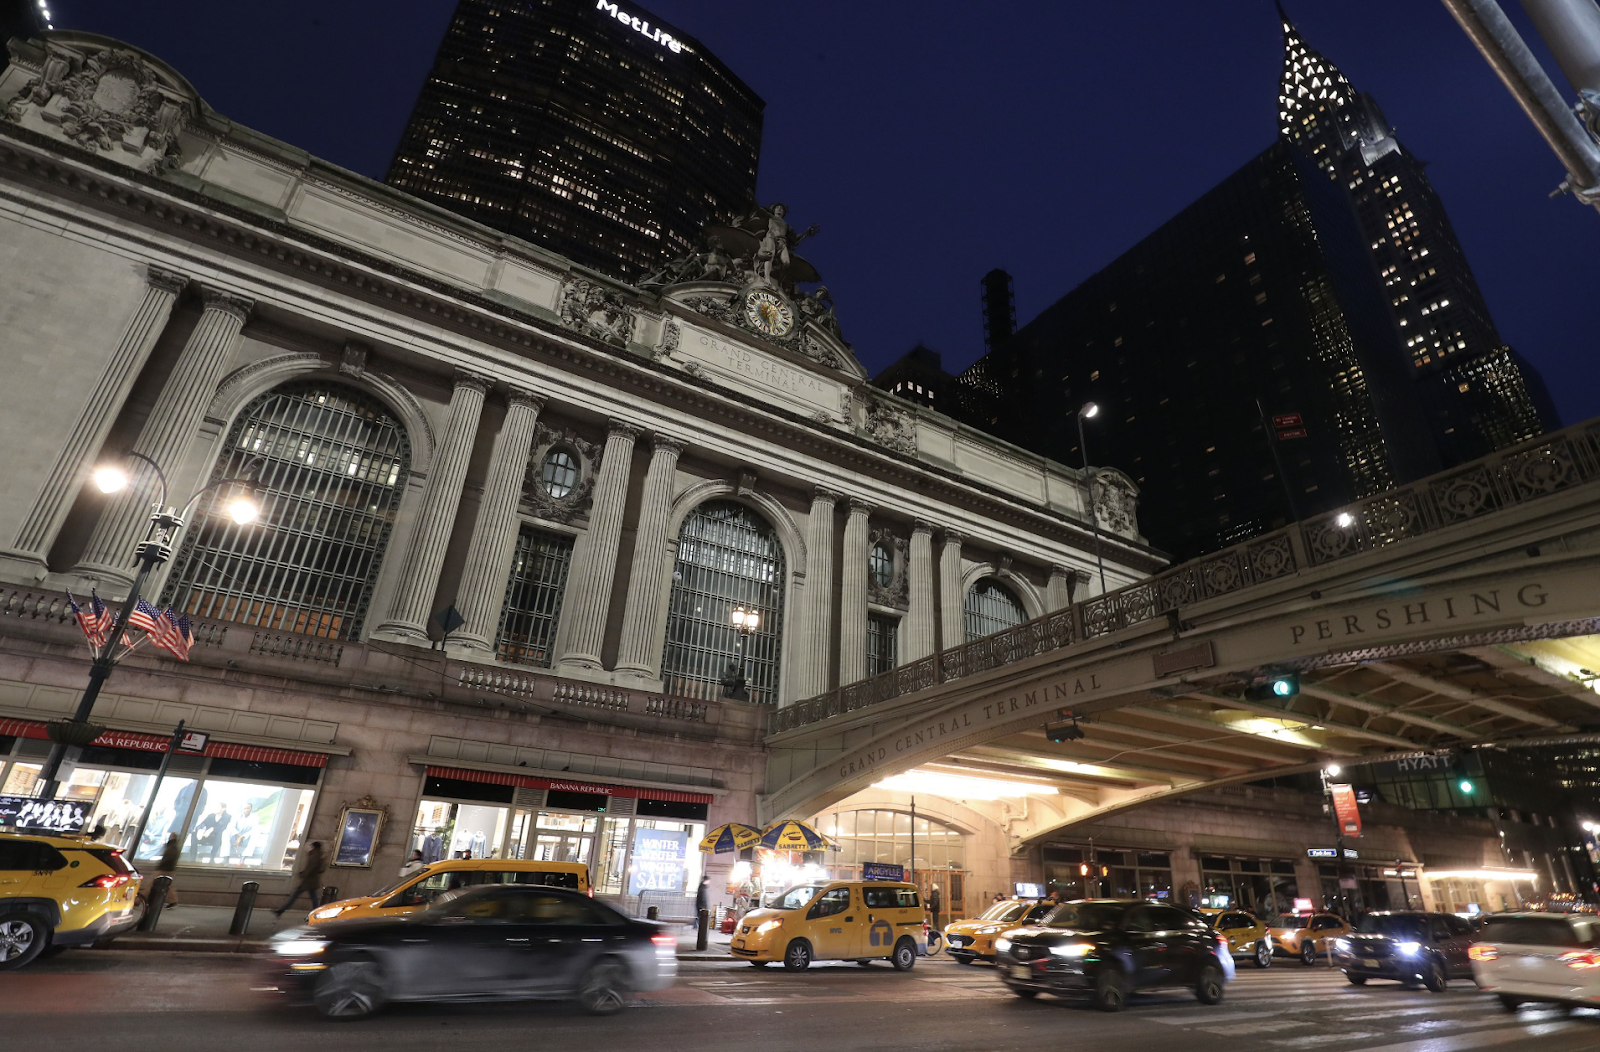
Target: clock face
{"points": [[768, 312]]}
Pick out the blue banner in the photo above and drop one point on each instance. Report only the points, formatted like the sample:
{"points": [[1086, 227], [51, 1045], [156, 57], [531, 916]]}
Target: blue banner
{"points": [[658, 861]]}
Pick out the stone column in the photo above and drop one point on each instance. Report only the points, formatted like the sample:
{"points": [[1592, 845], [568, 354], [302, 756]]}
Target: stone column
{"points": [[430, 536], [594, 557], [165, 438], [43, 521], [639, 653], [919, 631], [853, 595], [1058, 593], [494, 537], [952, 597], [814, 642]]}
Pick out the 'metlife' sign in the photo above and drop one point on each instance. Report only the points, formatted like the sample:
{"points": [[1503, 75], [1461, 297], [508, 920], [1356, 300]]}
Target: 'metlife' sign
{"points": [[641, 26]]}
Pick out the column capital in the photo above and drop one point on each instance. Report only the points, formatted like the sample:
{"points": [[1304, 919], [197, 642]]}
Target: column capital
{"points": [[465, 378], [228, 303], [164, 279], [862, 506], [824, 495], [953, 535], [1057, 570], [617, 426], [922, 526], [522, 396], [661, 443]]}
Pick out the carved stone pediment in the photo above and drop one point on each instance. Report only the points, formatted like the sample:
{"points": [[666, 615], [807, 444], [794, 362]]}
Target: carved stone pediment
{"points": [[595, 310], [1116, 502], [576, 502], [101, 96], [891, 426]]}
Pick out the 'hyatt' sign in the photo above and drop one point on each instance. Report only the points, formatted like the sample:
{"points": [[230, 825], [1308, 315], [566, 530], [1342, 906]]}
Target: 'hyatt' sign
{"points": [[666, 40]]}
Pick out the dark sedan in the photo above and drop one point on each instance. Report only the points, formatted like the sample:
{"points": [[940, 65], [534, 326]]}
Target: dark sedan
{"points": [[491, 943], [1417, 949], [1105, 949]]}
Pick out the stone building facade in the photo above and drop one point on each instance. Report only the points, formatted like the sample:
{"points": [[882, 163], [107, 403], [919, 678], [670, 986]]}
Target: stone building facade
{"points": [[507, 503]]}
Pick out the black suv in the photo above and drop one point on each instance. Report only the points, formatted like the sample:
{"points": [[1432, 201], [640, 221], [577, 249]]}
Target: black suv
{"points": [[1107, 948], [1417, 949]]}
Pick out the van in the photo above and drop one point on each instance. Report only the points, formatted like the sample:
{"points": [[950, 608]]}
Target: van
{"points": [[841, 920], [415, 891]]}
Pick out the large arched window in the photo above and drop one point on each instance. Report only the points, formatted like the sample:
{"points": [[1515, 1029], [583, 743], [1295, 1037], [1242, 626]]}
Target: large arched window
{"points": [[991, 607], [727, 556], [333, 465]]}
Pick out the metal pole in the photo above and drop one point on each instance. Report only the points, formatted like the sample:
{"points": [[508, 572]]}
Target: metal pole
{"points": [[1508, 55], [161, 774], [1272, 444], [913, 840], [1094, 518], [1571, 29]]}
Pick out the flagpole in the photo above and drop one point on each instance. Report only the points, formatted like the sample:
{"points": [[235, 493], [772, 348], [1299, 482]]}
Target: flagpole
{"points": [[150, 801]]}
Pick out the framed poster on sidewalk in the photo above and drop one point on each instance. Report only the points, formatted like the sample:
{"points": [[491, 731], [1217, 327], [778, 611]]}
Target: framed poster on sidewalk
{"points": [[359, 828]]}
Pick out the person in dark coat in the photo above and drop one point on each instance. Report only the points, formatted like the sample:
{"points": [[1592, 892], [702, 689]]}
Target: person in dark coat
{"points": [[169, 865], [702, 897], [935, 903], [309, 879]]}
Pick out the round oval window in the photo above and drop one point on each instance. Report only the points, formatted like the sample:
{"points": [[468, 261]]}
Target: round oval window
{"points": [[559, 475]]}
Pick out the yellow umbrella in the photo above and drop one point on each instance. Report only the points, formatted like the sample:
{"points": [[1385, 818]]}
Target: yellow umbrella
{"points": [[730, 836], [791, 834]]}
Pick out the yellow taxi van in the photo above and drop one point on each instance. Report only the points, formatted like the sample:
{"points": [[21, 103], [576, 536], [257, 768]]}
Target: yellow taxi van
{"points": [[841, 920], [415, 891]]}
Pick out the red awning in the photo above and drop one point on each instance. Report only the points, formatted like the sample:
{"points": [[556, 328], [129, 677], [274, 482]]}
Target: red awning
{"points": [[141, 742], [525, 781]]}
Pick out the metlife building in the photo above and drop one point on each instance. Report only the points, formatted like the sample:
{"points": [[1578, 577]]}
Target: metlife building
{"points": [[585, 126]]}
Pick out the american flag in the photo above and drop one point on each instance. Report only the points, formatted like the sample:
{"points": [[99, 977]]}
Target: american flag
{"points": [[146, 617], [103, 617], [88, 622], [172, 634]]}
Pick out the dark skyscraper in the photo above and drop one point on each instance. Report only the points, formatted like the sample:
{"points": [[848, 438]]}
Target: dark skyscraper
{"points": [[1320, 281], [590, 128]]}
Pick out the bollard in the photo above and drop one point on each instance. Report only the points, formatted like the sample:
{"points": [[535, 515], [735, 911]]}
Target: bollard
{"points": [[329, 894], [241, 912], [702, 932], [652, 912], [155, 901]]}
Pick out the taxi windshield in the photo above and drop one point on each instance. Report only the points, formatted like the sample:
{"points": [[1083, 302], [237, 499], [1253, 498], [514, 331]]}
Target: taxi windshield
{"points": [[1004, 911], [396, 886], [1290, 920], [796, 898]]}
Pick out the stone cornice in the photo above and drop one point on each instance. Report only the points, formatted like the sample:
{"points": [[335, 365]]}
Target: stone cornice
{"points": [[103, 186]]}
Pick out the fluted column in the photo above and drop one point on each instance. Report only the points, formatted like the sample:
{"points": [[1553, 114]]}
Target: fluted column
{"points": [[165, 438], [594, 557], [919, 633], [853, 595], [494, 537], [43, 521], [1058, 593], [815, 639], [419, 575], [952, 597], [639, 652]]}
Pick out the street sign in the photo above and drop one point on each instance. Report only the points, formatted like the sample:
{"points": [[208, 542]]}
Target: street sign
{"points": [[1345, 808], [193, 741], [882, 871], [1329, 852], [1293, 432], [1283, 420]]}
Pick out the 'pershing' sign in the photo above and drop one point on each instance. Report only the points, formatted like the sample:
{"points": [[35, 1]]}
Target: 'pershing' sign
{"points": [[642, 26]]}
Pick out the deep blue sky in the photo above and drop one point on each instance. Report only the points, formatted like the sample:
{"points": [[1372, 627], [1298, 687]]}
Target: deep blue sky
{"points": [[936, 140]]}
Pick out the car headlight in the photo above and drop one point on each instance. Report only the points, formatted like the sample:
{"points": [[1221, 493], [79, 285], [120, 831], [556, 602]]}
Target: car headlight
{"points": [[1341, 945], [1073, 949], [1002, 945], [771, 925], [328, 912], [990, 930], [299, 946], [1409, 949]]}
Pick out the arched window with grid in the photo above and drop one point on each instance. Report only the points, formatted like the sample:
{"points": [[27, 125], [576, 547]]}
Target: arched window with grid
{"points": [[727, 556], [991, 607], [332, 465]]}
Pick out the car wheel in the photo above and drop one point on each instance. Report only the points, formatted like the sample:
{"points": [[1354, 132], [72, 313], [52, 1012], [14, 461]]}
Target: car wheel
{"points": [[1435, 979], [905, 955], [1509, 1003], [51, 951], [964, 959], [1026, 995], [1308, 953], [349, 990], [1264, 953], [1110, 990], [604, 988], [865, 962], [759, 964], [23, 936], [797, 958], [1356, 980], [1208, 991]]}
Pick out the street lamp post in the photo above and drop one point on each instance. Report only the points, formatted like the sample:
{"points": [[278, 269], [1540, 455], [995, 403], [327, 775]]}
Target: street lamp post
{"points": [[1332, 771], [153, 551], [1088, 411], [745, 621]]}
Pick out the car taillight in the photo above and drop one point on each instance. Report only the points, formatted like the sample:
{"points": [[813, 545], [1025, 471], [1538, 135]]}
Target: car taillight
{"points": [[107, 880], [1483, 953], [1581, 959], [924, 931], [1222, 941], [591, 893], [663, 940]]}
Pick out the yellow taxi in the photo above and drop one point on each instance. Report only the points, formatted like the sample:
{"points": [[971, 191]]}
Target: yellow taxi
{"points": [[416, 890], [841, 920], [61, 891], [972, 940], [1247, 935], [1305, 935]]}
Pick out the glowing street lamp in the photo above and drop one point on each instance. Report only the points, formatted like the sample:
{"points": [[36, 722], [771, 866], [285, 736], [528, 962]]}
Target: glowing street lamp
{"points": [[745, 620]]}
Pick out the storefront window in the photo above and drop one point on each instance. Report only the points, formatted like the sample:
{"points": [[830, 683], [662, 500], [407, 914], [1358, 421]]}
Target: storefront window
{"points": [[611, 857], [248, 826], [666, 864], [1265, 887], [169, 814], [1123, 874], [20, 781]]}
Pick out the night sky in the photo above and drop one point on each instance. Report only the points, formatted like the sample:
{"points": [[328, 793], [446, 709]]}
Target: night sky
{"points": [[936, 140]]}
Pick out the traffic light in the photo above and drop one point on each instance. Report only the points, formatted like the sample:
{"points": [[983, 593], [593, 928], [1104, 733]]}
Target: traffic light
{"points": [[1064, 732], [1083, 869], [1283, 685], [1466, 787]]}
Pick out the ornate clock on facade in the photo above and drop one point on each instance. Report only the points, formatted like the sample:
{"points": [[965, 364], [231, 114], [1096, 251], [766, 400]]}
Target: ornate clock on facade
{"points": [[768, 312]]}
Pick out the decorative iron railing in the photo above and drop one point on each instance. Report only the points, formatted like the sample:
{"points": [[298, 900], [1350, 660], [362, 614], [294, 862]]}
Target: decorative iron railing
{"points": [[1505, 479]]}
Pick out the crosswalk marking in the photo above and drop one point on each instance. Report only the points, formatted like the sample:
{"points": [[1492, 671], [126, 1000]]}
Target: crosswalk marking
{"points": [[1479, 1039]]}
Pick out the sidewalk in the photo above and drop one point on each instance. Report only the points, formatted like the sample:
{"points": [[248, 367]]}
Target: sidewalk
{"points": [[204, 929]]}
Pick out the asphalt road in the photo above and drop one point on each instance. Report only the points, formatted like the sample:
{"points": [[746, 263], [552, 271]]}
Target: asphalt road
{"points": [[179, 1002]]}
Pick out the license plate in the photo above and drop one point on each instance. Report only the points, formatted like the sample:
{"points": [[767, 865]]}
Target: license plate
{"points": [[1369, 964], [1020, 971], [739, 943]]}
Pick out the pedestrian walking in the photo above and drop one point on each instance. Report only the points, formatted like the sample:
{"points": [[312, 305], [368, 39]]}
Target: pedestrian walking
{"points": [[702, 897], [414, 864], [935, 901], [309, 879], [169, 865]]}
